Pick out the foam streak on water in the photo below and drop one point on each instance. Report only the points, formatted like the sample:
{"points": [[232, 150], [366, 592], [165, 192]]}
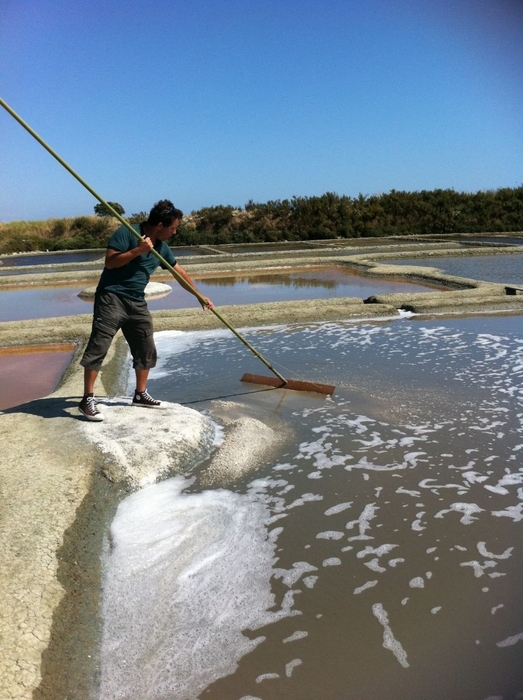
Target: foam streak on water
{"points": [[389, 641]]}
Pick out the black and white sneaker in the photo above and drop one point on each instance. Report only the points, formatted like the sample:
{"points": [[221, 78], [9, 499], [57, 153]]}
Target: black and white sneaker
{"points": [[143, 398], [89, 409]]}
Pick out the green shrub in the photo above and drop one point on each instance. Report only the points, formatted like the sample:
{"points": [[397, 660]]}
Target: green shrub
{"points": [[138, 217], [20, 245], [80, 223], [59, 228]]}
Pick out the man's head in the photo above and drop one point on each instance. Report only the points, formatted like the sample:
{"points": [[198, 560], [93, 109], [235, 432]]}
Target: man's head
{"points": [[164, 219], [164, 212]]}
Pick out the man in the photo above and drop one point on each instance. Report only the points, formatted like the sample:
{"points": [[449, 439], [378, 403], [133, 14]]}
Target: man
{"points": [[120, 302]]}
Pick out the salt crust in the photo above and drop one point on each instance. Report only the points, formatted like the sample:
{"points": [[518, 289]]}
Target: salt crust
{"points": [[246, 443], [141, 446]]}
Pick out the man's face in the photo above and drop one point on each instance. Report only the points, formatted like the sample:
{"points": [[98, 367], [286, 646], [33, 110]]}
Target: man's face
{"points": [[166, 232]]}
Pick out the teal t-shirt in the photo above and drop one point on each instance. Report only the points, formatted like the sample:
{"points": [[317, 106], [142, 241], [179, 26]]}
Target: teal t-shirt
{"points": [[131, 279]]}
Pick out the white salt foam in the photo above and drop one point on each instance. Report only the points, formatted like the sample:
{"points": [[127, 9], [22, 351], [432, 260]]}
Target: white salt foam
{"points": [[332, 561], [309, 581], [482, 549], [267, 677], [299, 634], [363, 522], [289, 668], [290, 576], [510, 641], [186, 574], [329, 535], [338, 508], [479, 569], [417, 582], [467, 509], [360, 589], [389, 641]]}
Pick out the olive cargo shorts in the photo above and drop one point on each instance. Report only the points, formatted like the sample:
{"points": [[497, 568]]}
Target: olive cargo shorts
{"points": [[112, 312]]}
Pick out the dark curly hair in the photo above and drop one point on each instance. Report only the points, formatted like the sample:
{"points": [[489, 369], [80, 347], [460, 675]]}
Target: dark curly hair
{"points": [[164, 212]]}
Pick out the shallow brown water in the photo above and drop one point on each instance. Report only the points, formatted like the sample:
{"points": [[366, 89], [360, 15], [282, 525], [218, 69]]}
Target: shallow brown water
{"points": [[395, 509]]}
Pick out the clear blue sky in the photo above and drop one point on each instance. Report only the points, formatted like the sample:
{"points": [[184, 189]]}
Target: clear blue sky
{"points": [[214, 102]]}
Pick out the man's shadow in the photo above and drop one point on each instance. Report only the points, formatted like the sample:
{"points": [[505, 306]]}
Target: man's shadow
{"points": [[67, 406], [58, 407]]}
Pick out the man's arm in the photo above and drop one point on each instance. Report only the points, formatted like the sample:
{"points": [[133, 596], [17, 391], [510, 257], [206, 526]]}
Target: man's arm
{"points": [[115, 258], [189, 285]]}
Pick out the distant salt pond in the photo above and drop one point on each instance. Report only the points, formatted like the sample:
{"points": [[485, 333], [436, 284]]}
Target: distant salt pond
{"points": [[26, 259], [317, 283], [379, 554], [68, 257], [504, 269]]}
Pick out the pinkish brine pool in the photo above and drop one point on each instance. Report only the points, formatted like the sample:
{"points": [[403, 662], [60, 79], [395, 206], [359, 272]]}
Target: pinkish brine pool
{"points": [[378, 553]]}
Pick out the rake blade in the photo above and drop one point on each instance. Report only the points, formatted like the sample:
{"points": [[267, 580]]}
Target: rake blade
{"points": [[293, 384]]}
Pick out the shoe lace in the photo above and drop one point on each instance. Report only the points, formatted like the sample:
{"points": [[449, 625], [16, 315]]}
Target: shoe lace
{"points": [[91, 404], [146, 395]]}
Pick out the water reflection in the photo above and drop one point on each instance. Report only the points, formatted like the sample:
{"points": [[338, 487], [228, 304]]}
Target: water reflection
{"points": [[67, 257], [262, 248], [42, 302], [46, 270], [317, 278], [295, 285], [503, 240]]}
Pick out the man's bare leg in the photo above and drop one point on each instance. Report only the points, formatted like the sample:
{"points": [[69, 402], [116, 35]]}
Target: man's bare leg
{"points": [[90, 376], [141, 379]]}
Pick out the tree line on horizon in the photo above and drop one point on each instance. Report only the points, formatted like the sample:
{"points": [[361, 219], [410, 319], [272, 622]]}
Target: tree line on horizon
{"points": [[331, 215], [300, 218]]}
